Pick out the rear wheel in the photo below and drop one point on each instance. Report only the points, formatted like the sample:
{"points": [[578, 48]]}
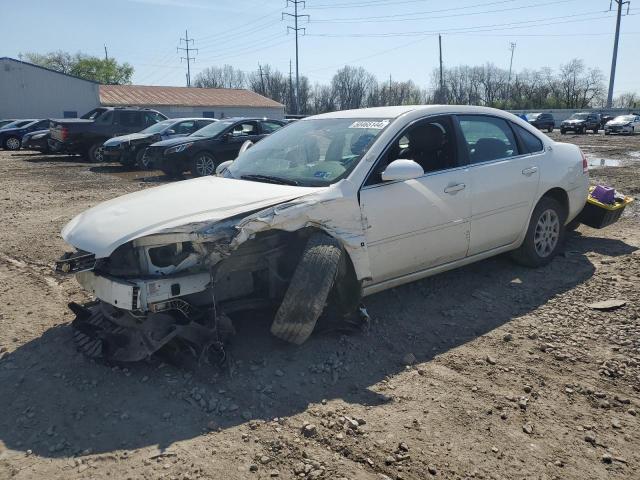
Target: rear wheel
{"points": [[563, 131], [596, 130], [95, 153], [549, 129], [203, 164], [544, 236], [142, 162], [12, 143]]}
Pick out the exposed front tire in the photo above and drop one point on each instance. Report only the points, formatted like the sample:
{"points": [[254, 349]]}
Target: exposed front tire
{"points": [[12, 143], [550, 129], [95, 154], [545, 234], [142, 162], [308, 290], [562, 131], [203, 164]]}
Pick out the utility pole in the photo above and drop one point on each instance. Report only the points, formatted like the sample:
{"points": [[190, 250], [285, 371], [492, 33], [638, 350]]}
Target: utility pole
{"points": [[296, 29], [612, 76], [106, 55], [188, 58], [512, 47], [441, 96], [290, 85]]}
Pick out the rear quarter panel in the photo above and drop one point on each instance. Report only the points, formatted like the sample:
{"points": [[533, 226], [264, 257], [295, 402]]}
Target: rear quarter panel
{"points": [[562, 168]]}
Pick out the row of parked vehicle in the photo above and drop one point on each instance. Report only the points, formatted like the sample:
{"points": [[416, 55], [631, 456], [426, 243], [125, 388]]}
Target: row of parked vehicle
{"points": [[582, 122], [139, 137]]}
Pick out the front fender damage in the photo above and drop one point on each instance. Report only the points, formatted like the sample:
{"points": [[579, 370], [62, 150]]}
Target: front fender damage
{"points": [[203, 327]]}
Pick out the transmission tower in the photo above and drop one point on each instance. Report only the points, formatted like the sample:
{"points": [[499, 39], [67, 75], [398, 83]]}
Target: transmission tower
{"points": [[295, 15], [187, 48], [612, 77]]}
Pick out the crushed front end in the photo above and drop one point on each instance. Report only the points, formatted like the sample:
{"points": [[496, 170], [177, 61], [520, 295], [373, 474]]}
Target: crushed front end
{"points": [[173, 291]]}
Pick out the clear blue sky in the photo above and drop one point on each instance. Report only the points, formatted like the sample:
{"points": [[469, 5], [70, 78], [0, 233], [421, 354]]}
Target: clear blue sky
{"points": [[387, 37]]}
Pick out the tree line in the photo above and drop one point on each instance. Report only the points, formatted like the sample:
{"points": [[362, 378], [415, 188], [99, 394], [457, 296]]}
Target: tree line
{"points": [[572, 85]]}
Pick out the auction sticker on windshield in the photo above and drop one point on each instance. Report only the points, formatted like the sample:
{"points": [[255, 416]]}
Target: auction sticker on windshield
{"points": [[374, 124]]}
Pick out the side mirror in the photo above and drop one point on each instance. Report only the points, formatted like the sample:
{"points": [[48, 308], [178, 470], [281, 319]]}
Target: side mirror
{"points": [[223, 166], [402, 170], [171, 131], [225, 137]]}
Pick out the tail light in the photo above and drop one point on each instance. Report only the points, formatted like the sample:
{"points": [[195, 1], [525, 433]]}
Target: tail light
{"points": [[64, 133], [585, 163]]}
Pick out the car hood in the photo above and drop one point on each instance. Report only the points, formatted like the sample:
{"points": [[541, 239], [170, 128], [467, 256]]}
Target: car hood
{"points": [[575, 120], [618, 122], [127, 138], [103, 228]]}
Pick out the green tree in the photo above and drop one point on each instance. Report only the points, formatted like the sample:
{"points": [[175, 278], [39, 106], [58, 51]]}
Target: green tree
{"points": [[105, 71]]}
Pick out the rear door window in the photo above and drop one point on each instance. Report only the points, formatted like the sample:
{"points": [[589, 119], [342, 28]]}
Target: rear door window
{"points": [[528, 141], [129, 119], [487, 138], [106, 118]]}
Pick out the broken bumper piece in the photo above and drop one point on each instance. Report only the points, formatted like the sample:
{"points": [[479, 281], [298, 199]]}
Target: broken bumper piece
{"points": [[73, 262], [104, 332]]}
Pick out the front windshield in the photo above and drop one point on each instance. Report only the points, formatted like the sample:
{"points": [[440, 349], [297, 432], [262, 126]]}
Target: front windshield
{"points": [[579, 116], [312, 153], [624, 118], [212, 129], [93, 114], [532, 116], [158, 127], [17, 124]]}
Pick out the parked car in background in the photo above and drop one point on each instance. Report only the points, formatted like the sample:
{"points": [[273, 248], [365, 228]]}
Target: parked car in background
{"points": [[6, 122], [11, 137], [18, 123], [202, 151], [129, 149], [628, 124], [604, 119], [38, 140], [542, 121], [324, 211], [581, 122], [87, 136]]}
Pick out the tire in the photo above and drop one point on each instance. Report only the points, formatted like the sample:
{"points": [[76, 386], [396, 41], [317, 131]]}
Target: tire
{"points": [[596, 130], [606, 133], [172, 172], [12, 143], [142, 163], [545, 234], [203, 164], [308, 290], [563, 132], [95, 153], [549, 129]]}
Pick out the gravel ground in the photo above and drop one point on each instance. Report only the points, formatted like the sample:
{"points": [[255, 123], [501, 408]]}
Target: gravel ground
{"points": [[491, 371]]}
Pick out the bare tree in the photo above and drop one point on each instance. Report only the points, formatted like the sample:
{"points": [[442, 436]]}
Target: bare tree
{"points": [[627, 100], [350, 87], [220, 77]]}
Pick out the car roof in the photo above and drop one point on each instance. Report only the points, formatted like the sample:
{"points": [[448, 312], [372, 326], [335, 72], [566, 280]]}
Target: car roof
{"points": [[184, 119], [396, 111]]}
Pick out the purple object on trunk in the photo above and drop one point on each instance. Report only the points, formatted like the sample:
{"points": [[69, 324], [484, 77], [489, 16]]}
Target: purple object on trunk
{"points": [[604, 194]]}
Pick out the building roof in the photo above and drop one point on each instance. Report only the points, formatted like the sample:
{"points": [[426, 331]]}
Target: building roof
{"points": [[143, 95], [47, 69]]}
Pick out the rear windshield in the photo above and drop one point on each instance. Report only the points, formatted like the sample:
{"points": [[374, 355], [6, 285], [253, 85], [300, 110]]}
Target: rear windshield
{"points": [[579, 116]]}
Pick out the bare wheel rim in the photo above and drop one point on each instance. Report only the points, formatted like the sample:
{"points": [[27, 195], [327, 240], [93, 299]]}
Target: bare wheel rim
{"points": [[13, 143], [205, 165], [144, 160], [547, 233]]}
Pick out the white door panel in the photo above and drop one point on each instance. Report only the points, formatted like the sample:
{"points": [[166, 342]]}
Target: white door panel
{"points": [[502, 193], [414, 224]]}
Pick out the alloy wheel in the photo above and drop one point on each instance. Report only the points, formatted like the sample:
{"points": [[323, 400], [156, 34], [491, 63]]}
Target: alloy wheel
{"points": [[547, 233], [13, 143], [205, 165]]}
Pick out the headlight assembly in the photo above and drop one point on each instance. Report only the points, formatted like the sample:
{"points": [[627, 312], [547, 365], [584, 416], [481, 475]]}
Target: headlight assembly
{"points": [[178, 148]]}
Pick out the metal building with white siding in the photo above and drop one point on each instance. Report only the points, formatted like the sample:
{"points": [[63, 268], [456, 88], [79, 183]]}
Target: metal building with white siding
{"points": [[31, 91], [192, 102]]}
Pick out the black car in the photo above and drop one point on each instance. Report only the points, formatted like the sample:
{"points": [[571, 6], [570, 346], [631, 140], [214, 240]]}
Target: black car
{"points": [[87, 136], [129, 149], [202, 151], [37, 140], [542, 121], [11, 136], [581, 122]]}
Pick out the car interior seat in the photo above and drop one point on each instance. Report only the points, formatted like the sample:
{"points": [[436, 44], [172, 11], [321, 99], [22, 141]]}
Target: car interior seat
{"points": [[426, 147], [487, 149]]}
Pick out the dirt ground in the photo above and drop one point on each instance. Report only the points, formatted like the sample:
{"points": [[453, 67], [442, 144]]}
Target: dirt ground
{"points": [[491, 371]]}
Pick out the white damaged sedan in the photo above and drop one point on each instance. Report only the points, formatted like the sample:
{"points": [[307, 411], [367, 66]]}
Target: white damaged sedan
{"points": [[314, 217]]}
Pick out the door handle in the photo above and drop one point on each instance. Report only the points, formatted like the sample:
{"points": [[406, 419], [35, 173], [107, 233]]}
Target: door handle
{"points": [[529, 171], [454, 188]]}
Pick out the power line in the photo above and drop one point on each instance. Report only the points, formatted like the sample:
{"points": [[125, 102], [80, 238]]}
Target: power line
{"points": [[414, 16], [614, 59], [188, 58], [295, 15]]}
